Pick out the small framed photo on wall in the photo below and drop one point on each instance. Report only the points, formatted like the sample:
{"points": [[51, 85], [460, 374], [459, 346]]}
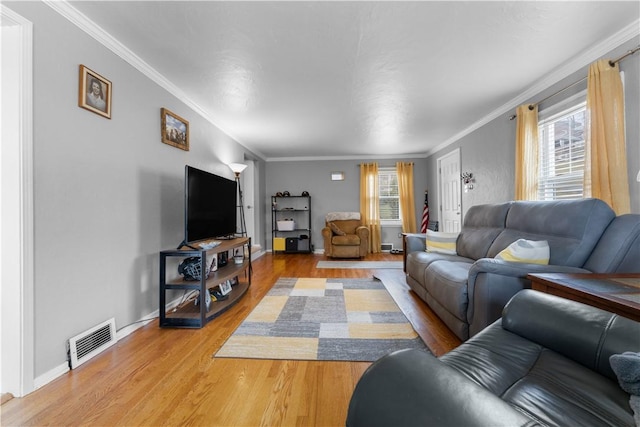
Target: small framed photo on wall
{"points": [[94, 92], [174, 129]]}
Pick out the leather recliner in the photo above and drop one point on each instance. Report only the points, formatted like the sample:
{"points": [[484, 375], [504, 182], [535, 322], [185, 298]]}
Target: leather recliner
{"points": [[545, 362]]}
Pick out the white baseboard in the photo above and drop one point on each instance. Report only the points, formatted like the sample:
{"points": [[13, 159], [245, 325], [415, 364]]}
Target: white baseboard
{"points": [[62, 369], [50, 375]]}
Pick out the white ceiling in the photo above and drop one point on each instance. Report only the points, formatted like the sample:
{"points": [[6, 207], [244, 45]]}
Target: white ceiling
{"points": [[358, 79]]}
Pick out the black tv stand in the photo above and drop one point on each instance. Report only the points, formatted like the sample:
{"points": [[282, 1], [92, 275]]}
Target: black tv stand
{"points": [[184, 244]]}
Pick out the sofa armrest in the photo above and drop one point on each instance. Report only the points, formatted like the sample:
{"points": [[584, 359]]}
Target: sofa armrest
{"points": [[580, 332], [413, 388], [362, 231], [412, 242], [517, 269], [326, 237], [491, 284]]}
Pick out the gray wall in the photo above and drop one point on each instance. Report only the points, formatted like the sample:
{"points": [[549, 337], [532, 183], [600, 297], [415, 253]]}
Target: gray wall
{"points": [[108, 194], [489, 152], [332, 196]]}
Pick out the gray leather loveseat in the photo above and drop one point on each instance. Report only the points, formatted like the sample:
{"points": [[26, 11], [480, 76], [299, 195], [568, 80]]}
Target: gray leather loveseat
{"points": [[469, 290], [546, 362]]}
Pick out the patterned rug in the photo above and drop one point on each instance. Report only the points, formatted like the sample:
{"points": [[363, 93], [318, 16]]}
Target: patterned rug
{"points": [[359, 264], [323, 319]]}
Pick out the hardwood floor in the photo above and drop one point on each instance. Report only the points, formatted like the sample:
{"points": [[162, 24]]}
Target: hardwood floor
{"points": [[169, 377]]}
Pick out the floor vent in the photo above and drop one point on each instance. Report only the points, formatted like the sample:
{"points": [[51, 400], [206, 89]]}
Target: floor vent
{"points": [[90, 343], [386, 247]]}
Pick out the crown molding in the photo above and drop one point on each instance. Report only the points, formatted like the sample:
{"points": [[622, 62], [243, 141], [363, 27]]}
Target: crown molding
{"points": [[573, 65], [81, 21], [350, 157]]}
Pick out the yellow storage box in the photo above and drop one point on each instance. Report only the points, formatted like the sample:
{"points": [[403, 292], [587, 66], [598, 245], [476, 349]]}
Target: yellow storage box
{"points": [[278, 243]]}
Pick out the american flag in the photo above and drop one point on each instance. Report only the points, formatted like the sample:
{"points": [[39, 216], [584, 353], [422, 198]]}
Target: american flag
{"points": [[425, 214]]}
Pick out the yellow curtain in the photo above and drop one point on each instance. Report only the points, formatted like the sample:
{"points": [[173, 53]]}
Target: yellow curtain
{"points": [[405, 190], [526, 153], [369, 206], [605, 175]]}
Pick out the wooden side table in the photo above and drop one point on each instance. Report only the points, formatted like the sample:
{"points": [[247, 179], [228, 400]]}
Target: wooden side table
{"points": [[617, 293]]}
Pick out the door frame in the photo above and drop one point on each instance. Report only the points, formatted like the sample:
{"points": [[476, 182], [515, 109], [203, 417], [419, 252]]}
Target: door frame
{"points": [[18, 183]]}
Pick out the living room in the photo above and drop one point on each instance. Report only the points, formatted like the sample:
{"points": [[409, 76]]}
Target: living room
{"points": [[108, 195]]}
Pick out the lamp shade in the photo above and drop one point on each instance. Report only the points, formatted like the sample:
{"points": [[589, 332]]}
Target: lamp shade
{"points": [[237, 168]]}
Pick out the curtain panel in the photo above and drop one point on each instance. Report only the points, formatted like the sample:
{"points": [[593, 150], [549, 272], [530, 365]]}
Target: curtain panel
{"points": [[369, 204], [526, 171], [407, 200], [606, 175]]}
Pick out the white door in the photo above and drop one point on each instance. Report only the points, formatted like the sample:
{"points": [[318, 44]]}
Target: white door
{"points": [[449, 192]]}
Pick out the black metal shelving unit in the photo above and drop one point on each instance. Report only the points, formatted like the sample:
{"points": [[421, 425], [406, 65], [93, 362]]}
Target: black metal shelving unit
{"points": [[291, 238]]}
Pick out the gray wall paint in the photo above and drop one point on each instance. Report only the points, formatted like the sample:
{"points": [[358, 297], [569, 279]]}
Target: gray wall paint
{"points": [[332, 196], [108, 194], [489, 152]]}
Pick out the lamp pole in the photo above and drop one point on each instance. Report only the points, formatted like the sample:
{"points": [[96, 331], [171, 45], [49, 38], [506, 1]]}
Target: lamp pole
{"points": [[237, 169]]}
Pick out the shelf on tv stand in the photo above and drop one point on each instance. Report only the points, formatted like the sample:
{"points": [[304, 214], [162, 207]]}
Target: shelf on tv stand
{"points": [[187, 313]]}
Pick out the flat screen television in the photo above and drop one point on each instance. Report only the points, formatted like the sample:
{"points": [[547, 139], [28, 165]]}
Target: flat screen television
{"points": [[210, 206]]}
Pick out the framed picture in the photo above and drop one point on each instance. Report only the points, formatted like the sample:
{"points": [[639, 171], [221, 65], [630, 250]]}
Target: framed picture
{"points": [[174, 130], [94, 92], [225, 287], [214, 264]]}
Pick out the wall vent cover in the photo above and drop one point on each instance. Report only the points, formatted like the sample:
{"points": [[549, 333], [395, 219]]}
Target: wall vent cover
{"points": [[90, 343], [386, 247]]}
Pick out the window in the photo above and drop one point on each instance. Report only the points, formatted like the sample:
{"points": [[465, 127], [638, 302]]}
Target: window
{"points": [[389, 196], [561, 154]]}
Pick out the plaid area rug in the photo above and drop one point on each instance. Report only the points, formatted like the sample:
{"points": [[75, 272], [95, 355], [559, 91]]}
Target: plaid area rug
{"points": [[323, 319]]}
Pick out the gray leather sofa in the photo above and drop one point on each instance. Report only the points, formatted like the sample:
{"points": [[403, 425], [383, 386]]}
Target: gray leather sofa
{"points": [[545, 362], [469, 290]]}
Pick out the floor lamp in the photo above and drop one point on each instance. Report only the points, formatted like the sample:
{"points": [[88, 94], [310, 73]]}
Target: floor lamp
{"points": [[237, 169]]}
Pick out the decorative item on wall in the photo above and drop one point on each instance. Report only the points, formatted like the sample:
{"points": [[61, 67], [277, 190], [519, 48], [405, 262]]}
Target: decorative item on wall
{"points": [[94, 92], [467, 180], [174, 130]]}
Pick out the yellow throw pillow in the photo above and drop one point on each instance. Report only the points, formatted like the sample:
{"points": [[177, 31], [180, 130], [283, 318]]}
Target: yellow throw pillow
{"points": [[442, 243], [527, 251]]}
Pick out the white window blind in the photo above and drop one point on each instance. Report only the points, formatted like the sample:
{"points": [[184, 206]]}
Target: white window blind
{"points": [[389, 196], [561, 154]]}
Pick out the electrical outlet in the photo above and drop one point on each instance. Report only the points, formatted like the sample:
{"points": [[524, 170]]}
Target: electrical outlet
{"points": [[400, 235]]}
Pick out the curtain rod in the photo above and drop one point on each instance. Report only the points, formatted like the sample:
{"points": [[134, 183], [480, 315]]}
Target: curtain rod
{"points": [[611, 62]]}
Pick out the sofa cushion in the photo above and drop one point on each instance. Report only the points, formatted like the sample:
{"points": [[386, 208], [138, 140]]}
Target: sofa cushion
{"points": [[482, 224], [446, 281], [346, 240], [572, 228], [417, 263]]}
